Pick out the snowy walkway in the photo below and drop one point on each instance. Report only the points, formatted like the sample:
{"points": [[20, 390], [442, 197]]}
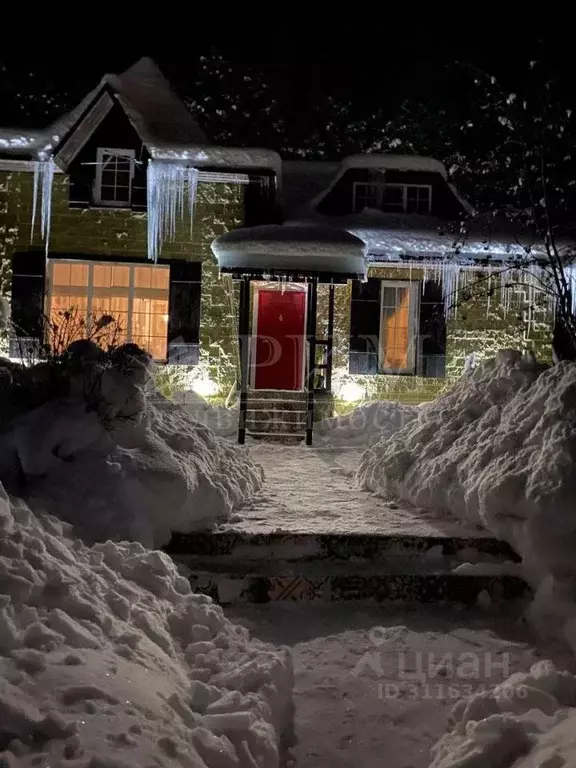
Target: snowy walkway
{"points": [[352, 712], [311, 490]]}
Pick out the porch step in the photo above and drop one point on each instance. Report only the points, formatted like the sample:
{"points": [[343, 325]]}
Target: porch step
{"points": [[234, 566], [276, 414]]}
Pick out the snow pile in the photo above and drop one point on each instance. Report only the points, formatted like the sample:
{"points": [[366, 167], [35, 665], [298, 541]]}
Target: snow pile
{"points": [[365, 425], [108, 456], [528, 721], [107, 660], [498, 451], [222, 421]]}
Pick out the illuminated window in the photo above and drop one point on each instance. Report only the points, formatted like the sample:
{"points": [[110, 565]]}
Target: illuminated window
{"points": [[114, 174], [136, 296], [398, 326], [400, 198]]}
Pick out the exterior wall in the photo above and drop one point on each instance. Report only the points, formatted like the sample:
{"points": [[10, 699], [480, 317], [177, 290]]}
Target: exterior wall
{"points": [[120, 233], [480, 326]]}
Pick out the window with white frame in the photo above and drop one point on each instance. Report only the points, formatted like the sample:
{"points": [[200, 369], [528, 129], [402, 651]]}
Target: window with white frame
{"points": [[400, 305], [400, 198], [134, 295], [114, 175]]}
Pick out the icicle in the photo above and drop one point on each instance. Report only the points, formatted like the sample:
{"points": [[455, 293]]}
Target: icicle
{"points": [[570, 272], [450, 286], [42, 187], [167, 200]]}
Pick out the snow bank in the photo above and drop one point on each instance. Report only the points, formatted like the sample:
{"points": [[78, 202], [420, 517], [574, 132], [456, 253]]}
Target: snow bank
{"points": [[112, 458], [108, 661], [222, 421], [498, 451], [528, 721], [365, 425]]}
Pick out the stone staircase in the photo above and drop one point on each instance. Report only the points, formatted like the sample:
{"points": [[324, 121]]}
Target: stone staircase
{"points": [[277, 415], [234, 566]]}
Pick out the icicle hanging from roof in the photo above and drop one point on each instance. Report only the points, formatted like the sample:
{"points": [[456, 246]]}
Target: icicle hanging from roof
{"points": [[448, 274], [42, 190], [171, 189], [570, 273]]}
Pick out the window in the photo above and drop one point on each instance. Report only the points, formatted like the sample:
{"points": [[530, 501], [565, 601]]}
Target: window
{"points": [[399, 198], [114, 175], [136, 296], [398, 326]]}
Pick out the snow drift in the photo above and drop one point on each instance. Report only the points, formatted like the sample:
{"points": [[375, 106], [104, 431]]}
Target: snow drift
{"points": [[108, 660], [528, 721], [104, 452], [365, 425], [498, 450], [222, 421]]}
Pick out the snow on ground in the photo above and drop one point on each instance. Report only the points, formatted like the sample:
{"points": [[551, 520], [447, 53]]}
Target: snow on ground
{"points": [[109, 456], [107, 660], [365, 425], [375, 684], [498, 451], [312, 490]]}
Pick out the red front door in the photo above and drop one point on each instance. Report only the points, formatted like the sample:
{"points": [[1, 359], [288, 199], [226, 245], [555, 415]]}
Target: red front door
{"points": [[280, 339]]}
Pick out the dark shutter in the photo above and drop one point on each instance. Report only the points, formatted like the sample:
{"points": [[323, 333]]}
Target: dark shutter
{"points": [[365, 326], [184, 317], [27, 303], [81, 179], [432, 332]]}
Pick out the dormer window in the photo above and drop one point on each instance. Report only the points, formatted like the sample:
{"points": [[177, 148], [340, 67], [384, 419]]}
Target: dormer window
{"points": [[392, 198], [114, 176]]}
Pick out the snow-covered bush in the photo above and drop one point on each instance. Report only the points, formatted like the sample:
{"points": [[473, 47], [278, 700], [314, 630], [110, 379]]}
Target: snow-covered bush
{"points": [[86, 436], [107, 659]]}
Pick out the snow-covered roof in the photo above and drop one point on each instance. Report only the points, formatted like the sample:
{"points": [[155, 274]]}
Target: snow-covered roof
{"points": [[291, 248], [216, 157], [302, 181], [392, 162], [156, 112]]}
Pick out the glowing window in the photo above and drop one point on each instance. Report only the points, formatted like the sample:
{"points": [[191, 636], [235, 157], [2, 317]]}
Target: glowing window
{"points": [[398, 326], [135, 296]]}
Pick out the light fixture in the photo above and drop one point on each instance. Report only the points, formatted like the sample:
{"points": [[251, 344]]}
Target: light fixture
{"points": [[351, 392], [204, 387]]}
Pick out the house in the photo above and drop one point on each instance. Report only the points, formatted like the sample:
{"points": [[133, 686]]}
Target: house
{"points": [[294, 281]]}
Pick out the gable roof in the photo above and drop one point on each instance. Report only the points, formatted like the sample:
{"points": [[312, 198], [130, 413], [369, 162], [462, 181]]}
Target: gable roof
{"points": [[157, 114]]}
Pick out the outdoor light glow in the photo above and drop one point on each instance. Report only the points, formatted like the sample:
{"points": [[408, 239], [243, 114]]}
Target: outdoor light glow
{"points": [[205, 387], [351, 392]]}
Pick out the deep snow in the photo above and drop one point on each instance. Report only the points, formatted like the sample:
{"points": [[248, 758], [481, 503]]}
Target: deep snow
{"points": [[110, 456], [107, 659], [365, 425]]}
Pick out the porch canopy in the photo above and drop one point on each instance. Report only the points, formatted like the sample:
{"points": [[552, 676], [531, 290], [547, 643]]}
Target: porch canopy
{"points": [[293, 251]]}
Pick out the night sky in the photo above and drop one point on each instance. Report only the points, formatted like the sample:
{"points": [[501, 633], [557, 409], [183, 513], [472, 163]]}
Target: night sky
{"points": [[374, 64]]}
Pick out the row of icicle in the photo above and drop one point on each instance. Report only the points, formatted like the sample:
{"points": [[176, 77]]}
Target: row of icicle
{"points": [[171, 195]]}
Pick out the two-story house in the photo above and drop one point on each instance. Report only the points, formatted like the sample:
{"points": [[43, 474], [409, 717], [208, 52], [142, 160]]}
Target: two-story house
{"points": [[350, 279]]}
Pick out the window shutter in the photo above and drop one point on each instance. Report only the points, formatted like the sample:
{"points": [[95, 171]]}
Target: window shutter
{"points": [[432, 332], [184, 313], [27, 303], [364, 326]]}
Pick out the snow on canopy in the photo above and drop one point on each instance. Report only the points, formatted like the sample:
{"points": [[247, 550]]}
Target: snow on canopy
{"points": [[291, 248], [393, 162]]}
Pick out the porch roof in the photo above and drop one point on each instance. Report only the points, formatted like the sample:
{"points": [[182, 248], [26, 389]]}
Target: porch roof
{"points": [[291, 249]]}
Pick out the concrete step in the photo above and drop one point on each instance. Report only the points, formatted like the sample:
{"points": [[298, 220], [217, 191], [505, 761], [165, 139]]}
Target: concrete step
{"points": [[279, 425], [277, 394], [242, 545], [292, 416], [231, 587], [278, 437], [234, 566]]}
